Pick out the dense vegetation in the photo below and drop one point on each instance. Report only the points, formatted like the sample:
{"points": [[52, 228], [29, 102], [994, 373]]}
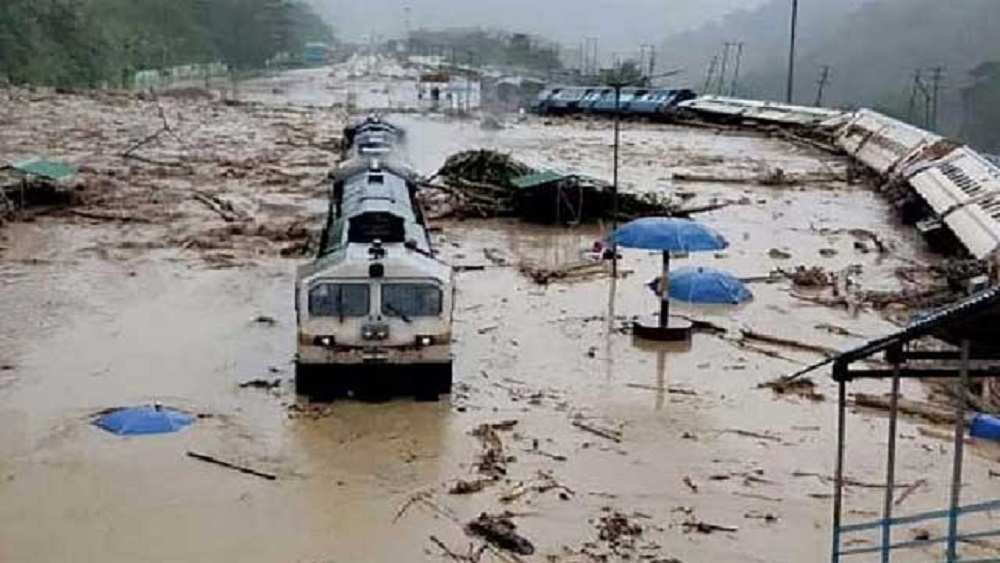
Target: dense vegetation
{"points": [[95, 42], [487, 47], [873, 48]]}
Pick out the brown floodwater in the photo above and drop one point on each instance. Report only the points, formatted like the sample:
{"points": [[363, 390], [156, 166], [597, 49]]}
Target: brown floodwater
{"points": [[83, 332]]}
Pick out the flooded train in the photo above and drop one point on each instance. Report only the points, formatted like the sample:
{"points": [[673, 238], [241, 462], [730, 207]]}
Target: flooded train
{"points": [[375, 307]]}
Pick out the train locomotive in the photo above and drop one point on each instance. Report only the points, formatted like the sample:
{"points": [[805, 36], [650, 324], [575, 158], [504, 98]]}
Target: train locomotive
{"points": [[374, 309]]}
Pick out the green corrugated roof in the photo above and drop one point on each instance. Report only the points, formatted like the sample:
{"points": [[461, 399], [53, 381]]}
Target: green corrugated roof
{"points": [[539, 179], [45, 169]]}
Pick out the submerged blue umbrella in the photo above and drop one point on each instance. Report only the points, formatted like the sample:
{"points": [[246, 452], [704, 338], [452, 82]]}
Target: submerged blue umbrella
{"points": [[707, 285], [139, 421], [667, 234]]}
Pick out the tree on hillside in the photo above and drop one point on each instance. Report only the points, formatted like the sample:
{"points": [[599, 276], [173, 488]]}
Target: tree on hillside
{"points": [[93, 42]]}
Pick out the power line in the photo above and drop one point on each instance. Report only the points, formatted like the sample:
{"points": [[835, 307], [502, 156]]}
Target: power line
{"points": [[725, 63], [736, 72]]}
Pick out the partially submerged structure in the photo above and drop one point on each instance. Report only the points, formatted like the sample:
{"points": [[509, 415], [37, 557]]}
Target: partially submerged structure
{"points": [[972, 352], [33, 182]]}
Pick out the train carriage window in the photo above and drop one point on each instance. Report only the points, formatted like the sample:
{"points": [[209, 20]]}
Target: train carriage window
{"points": [[409, 300], [339, 300]]}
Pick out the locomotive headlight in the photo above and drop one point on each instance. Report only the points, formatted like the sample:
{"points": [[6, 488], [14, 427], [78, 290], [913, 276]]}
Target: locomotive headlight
{"points": [[325, 341], [425, 341]]}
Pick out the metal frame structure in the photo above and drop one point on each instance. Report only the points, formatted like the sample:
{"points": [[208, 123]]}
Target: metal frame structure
{"points": [[962, 326]]}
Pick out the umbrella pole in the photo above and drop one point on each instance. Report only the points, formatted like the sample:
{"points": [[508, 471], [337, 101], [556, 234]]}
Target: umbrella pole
{"points": [[665, 300]]}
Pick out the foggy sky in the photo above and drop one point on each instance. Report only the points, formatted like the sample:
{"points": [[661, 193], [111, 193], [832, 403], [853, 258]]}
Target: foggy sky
{"points": [[621, 25]]}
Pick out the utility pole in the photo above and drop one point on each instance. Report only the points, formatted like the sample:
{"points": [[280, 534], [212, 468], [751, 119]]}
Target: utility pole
{"points": [[722, 73], [736, 72], [408, 25], [711, 74], [790, 87], [824, 79], [652, 61], [937, 76], [913, 96]]}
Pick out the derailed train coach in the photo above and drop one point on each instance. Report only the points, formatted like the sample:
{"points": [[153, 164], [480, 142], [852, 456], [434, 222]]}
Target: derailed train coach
{"points": [[632, 102], [374, 309]]}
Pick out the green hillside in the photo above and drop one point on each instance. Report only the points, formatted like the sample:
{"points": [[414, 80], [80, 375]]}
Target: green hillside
{"points": [[87, 43]]}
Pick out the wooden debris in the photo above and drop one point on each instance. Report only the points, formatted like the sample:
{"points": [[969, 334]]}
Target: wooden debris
{"points": [[233, 466], [941, 435], [788, 343], [501, 532], [768, 517], [462, 487], [910, 490], [492, 460], [707, 527], [261, 384], [221, 207], [690, 483], [613, 435], [926, 411], [571, 272], [473, 556], [804, 387], [109, 215], [814, 277], [669, 389], [751, 434]]}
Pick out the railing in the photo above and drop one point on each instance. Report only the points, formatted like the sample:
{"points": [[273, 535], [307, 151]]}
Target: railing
{"points": [[952, 539]]}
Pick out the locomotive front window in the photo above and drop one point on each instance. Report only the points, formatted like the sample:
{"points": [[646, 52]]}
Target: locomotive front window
{"points": [[339, 300], [410, 300]]}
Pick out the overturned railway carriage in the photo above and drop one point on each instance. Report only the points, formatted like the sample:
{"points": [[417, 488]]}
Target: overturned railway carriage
{"points": [[375, 307]]}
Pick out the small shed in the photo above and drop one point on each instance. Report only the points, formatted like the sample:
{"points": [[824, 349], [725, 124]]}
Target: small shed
{"points": [[550, 197], [33, 182]]}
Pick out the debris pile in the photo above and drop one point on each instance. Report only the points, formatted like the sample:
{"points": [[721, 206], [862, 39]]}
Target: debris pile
{"points": [[492, 460], [483, 167], [486, 184]]}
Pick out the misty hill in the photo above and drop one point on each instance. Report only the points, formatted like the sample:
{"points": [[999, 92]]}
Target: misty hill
{"points": [[873, 47]]}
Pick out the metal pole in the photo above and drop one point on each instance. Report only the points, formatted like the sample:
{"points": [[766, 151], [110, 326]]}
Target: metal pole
{"points": [[890, 470], [614, 186], [838, 477], [956, 478], [711, 74], [790, 89], [665, 287]]}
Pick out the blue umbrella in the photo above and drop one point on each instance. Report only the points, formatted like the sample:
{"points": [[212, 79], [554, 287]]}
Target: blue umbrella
{"points": [[667, 234], [707, 285], [140, 421]]}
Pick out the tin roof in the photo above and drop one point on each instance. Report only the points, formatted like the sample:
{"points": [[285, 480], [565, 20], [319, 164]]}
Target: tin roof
{"points": [[935, 323], [49, 170], [538, 179]]}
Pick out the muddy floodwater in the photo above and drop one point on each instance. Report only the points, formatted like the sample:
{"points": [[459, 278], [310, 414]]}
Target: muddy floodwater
{"points": [[182, 308]]}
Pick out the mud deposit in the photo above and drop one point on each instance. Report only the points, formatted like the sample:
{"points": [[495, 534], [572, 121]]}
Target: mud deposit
{"points": [[596, 448]]}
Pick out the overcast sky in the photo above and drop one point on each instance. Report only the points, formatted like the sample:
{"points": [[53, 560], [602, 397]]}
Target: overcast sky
{"points": [[621, 24]]}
